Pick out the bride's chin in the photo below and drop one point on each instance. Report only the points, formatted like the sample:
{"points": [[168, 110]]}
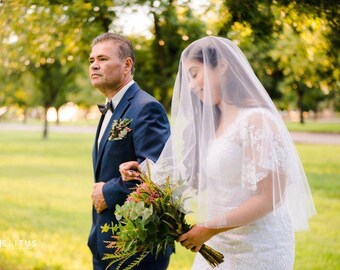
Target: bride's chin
{"points": [[208, 101]]}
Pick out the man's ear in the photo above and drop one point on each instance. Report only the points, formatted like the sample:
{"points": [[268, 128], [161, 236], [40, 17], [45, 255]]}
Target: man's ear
{"points": [[128, 65]]}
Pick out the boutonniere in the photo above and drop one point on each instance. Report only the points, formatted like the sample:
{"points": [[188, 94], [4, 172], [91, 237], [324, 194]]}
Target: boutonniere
{"points": [[119, 129]]}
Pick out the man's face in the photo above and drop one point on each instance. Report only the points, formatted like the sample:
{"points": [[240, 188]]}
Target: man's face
{"points": [[107, 70]]}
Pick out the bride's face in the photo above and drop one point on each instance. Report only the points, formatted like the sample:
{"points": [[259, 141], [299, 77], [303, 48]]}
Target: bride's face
{"points": [[204, 82]]}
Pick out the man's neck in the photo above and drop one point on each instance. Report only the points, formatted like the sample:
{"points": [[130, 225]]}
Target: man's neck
{"points": [[110, 93]]}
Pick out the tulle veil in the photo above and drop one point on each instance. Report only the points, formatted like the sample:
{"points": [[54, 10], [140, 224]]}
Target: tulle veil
{"points": [[265, 150]]}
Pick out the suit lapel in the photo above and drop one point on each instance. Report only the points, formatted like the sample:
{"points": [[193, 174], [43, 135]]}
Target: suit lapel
{"points": [[118, 113], [95, 145]]}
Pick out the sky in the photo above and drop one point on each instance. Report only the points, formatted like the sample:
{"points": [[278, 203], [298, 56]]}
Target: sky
{"points": [[134, 22], [138, 21]]}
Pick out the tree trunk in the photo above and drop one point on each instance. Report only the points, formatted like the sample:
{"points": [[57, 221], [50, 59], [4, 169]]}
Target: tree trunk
{"points": [[302, 119], [58, 120], [159, 48], [160, 56], [45, 131], [316, 112], [24, 121], [300, 105]]}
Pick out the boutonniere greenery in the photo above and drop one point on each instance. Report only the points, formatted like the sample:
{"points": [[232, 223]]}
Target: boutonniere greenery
{"points": [[120, 129]]}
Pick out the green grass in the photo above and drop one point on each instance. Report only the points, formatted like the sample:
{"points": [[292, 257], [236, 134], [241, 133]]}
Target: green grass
{"points": [[309, 126], [318, 127], [45, 201], [38, 122], [45, 196], [319, 247]]}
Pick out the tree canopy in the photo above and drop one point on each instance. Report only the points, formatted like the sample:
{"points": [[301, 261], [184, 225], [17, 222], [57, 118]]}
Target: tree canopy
{"points": [[292, 46]]}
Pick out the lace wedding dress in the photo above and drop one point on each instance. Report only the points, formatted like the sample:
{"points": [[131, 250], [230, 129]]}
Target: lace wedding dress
{"points": [[268, 243]]}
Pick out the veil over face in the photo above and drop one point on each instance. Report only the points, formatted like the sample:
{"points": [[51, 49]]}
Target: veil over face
{"points": [[228, 141]]}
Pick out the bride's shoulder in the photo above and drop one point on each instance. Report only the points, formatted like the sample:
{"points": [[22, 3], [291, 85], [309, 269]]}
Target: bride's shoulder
{"points": [[256, 115], [255, 112]]}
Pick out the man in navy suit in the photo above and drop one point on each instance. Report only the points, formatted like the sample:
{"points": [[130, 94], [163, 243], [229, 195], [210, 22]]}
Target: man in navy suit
{"points": [[133, 126]]}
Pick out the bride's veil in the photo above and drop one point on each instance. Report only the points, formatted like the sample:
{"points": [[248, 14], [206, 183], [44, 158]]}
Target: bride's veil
{"points": [[254, 146]]}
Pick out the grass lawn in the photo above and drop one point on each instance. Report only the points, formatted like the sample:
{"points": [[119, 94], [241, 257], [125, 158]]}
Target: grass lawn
{"points": [[308, 126], [318, 127], [45, 205]]}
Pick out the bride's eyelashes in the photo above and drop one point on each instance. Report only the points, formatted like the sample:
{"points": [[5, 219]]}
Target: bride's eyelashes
{"points": [[193, 76]]}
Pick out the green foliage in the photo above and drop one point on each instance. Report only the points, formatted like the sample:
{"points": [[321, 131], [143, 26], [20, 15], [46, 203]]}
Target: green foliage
{"points": [[150, 221], [292, 46], [257, 14], [174, 27], [49, 41]]}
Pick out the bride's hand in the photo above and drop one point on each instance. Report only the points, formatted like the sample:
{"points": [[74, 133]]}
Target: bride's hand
{"points": [[195, 237], [129, 171]]}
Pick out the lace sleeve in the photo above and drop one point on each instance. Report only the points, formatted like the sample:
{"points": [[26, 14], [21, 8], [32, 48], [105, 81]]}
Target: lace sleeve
{"points": [[263, 149]]}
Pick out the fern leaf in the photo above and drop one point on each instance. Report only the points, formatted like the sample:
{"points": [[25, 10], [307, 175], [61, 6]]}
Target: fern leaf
{"points": [[137, 261]]}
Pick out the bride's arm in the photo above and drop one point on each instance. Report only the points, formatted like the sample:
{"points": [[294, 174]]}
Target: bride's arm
{"points": [[248, 212], [258, 205], [264, 154]]}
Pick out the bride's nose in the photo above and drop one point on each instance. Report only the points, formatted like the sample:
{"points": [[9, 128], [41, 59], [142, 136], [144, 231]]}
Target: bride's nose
{"points": [[192, 85]]}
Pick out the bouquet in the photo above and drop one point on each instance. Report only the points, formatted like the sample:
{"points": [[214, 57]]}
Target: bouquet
{"points": [[149, 221]]}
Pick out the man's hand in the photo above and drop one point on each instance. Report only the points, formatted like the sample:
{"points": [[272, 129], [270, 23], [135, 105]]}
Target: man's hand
{"points": [[98, 199], [129, 171]]}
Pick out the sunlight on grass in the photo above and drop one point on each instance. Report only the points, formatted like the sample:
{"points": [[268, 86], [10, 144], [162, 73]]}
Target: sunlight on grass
{"points": [[311, 126], [319, 247], [46, 249], [45, 198]]}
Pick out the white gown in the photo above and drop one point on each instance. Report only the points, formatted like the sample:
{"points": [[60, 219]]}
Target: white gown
{"points": [[267, 243]]}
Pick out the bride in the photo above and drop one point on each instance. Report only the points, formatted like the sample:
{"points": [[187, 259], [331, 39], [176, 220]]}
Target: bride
{"points": [[231, 146]]}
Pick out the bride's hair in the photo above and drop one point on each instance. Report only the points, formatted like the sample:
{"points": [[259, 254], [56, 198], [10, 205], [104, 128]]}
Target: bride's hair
{"points": [[233, 91]]}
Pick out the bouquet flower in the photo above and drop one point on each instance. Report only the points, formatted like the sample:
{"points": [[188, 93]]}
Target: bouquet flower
{"points": [[149, 221]]}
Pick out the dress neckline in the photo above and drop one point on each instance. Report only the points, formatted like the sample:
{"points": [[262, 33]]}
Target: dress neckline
{"points": [[229, 127], [242, 112]]}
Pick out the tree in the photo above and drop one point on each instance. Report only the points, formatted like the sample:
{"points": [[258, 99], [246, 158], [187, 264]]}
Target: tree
{"points": [[16, 86], [301, 50], [50, 39], [47, 51], [87, 95], [289, 46], [256, 13], [174, 27]]}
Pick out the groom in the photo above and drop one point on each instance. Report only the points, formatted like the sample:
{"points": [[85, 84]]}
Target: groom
{"points": [[133, 126]]}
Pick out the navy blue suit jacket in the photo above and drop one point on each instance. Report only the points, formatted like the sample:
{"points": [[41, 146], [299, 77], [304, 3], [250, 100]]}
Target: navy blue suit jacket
{"points": [[150, 131]]}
